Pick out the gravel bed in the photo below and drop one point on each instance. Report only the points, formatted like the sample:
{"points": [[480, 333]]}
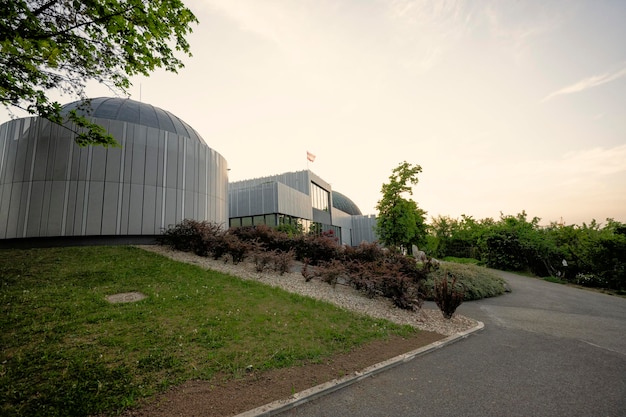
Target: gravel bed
{"points": [[340, 295]]}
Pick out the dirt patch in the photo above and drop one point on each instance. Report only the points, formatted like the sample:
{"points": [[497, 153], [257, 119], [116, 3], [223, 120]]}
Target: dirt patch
{"points": [[230, 397]]}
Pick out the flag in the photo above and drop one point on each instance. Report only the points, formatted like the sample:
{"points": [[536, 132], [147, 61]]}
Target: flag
{"points": [[310, 156]]}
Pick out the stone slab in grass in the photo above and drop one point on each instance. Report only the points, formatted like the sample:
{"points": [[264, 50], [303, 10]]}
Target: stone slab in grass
{"points": [[126, 297]]}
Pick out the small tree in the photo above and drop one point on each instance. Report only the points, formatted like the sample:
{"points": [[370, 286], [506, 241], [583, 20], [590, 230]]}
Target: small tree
{"points": [[400, 222]]}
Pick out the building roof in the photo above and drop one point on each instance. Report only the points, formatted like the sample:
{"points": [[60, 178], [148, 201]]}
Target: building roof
{"points": [[343, 203], [127, 110]]}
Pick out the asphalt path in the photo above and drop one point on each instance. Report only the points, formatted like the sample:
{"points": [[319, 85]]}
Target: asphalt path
{"points": [[546, 350]]}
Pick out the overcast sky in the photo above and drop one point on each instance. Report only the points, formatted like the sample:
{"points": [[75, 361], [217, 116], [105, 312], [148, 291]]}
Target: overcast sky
{"points": [[506, 105]]}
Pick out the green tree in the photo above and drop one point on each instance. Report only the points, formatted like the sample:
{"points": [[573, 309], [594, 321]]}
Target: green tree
{"points": [[458, 238], [400, 222], [62, 44]]}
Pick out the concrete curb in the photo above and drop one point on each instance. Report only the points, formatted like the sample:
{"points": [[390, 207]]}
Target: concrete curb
{"points": [[310, 394]]}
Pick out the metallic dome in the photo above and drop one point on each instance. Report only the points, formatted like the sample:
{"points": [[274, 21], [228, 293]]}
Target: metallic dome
{"points": [[343, 203], [131, 111]]}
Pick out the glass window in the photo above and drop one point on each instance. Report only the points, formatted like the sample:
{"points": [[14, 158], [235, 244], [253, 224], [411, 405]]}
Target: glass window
{"points": [[257, 220], [236, 222], [320, 198], [246, 221]]}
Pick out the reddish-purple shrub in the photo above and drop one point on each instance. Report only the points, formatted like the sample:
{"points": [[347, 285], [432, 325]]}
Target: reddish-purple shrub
{"points": [[368, 268], [317, 248], [191, 236], [283, 261], [448, 295], [365, 252], [329, 272], [278, 261], [267, 237], [364, 278], [262, 260], [229, 245], [306, 271], [392, 277]]}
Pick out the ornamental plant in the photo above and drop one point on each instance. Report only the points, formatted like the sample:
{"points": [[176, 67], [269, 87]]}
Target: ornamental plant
{"points": [[448, 295]]}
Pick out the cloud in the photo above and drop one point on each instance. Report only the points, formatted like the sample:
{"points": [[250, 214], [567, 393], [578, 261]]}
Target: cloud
{"points": [[517, 26], [596, 161], [421, 31], [268, 20], [587, 83]]}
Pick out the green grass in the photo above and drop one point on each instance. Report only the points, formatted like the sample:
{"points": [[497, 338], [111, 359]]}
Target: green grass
{"points": [[555, 280], [67, 351], [479, 282], [461, 260]]}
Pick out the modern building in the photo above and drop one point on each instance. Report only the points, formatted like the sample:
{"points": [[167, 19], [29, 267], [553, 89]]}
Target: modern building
{"points": [[299, 198], [163, 173]]}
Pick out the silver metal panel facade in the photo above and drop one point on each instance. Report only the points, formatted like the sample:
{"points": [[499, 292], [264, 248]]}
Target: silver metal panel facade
{"points": [[49, 186], [343, 220], [299, 180], [363, 229], [253, 200], [293, 202], [269, 198]]}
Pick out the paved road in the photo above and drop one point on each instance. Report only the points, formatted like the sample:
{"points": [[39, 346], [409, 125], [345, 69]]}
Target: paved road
{"points": [[547, 350]]}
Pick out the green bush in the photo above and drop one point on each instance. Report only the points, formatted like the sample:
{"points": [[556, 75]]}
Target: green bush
{"points": [[594, 253], [478, 282]]}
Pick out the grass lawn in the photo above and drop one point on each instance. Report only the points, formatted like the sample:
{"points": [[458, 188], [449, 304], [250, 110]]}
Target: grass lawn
{"points": [[68, 351]]}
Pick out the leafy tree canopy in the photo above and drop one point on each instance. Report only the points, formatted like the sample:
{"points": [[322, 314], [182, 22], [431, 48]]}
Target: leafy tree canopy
{"points": [[62, 44], [400, 222]]}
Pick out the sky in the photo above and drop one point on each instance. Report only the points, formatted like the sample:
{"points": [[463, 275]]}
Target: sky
{"points": [[507, 106]]}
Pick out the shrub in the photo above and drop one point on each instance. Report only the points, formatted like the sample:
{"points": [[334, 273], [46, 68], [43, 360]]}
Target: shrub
{"points": [[396, 277], [330, 271], [448, 295], [317, 248], [283, 261], [364, 279], [401, 290], [365, 252], [228, 245], [478, 282], [280, 262], [267, 237], [262, 260], [306, 271], [191, 236]]}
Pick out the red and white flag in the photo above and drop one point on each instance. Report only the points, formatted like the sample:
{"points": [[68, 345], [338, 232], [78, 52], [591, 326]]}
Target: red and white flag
{"points": [[310, 156]]}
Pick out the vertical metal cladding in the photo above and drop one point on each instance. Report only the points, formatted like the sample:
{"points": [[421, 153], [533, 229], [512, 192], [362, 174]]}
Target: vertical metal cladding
{"points": [[49, 186]]}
